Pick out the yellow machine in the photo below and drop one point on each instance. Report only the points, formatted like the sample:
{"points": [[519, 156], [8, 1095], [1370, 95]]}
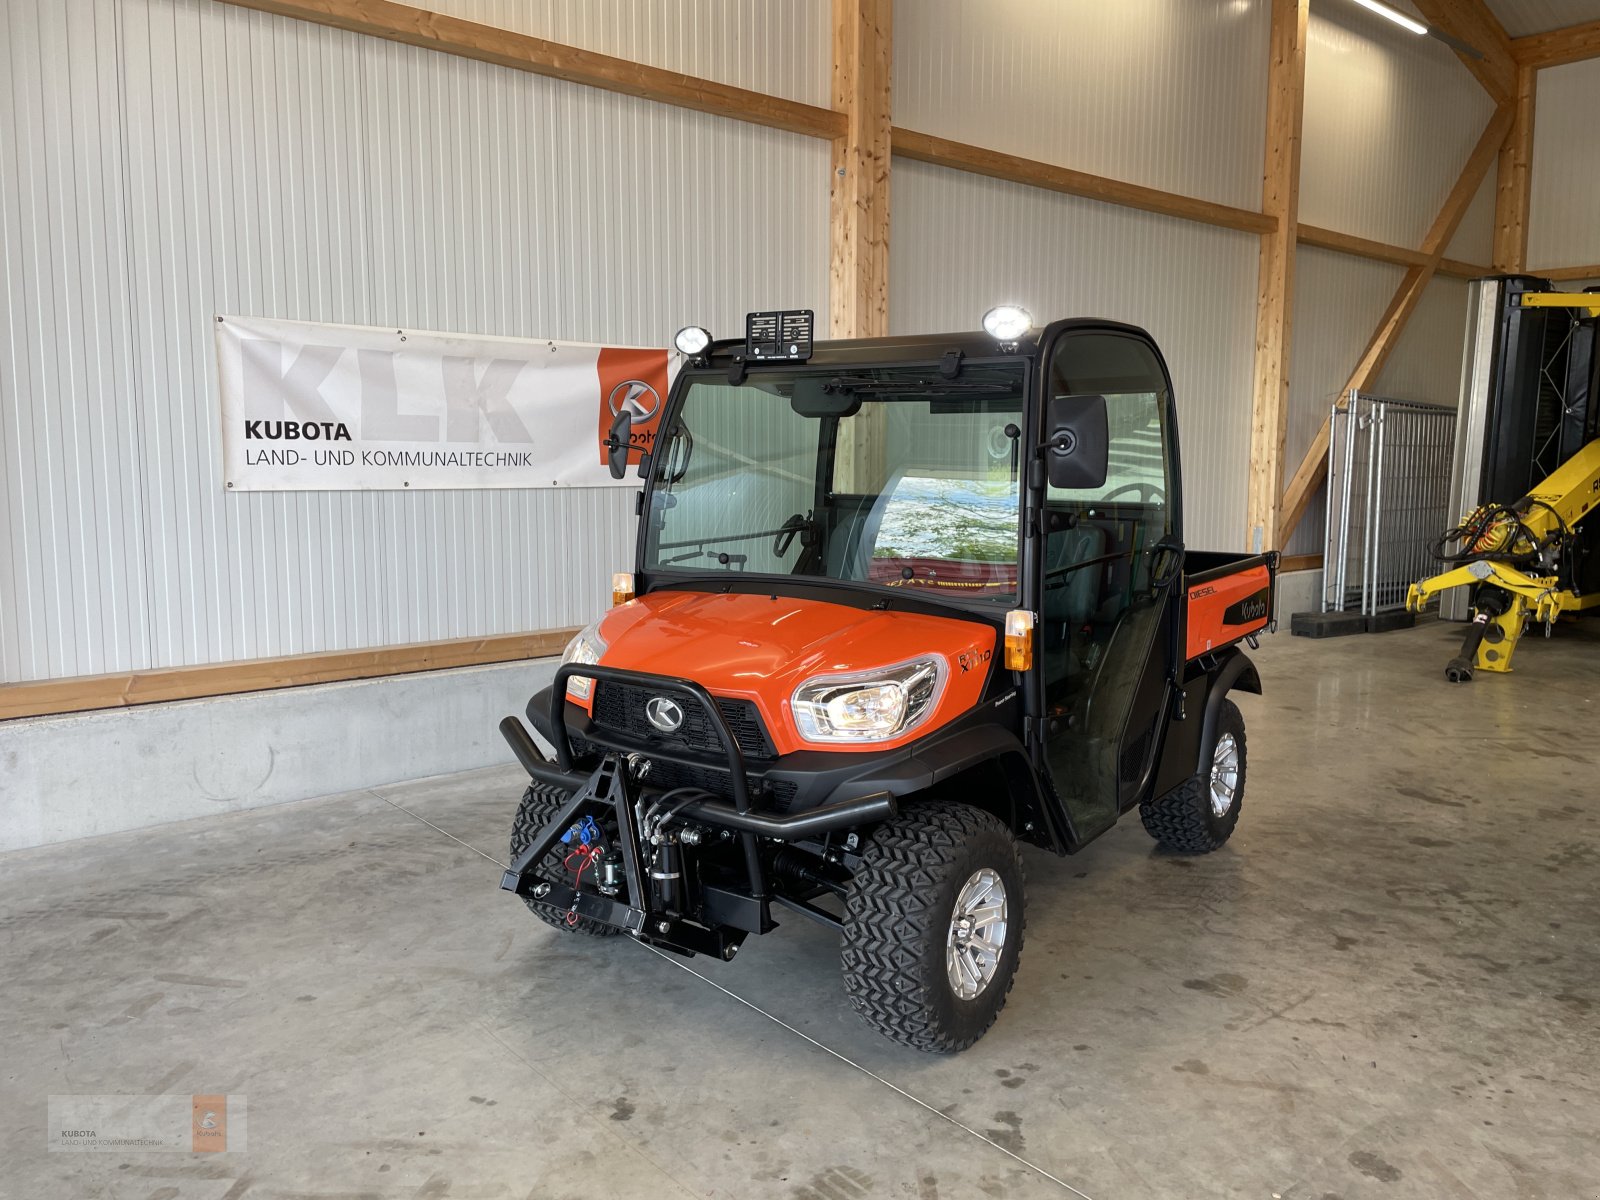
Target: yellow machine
{"points": [[1516, 558]]}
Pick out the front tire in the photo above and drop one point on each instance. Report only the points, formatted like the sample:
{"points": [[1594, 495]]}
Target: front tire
{"points": [[539, 807], [1199, 815], [933, 926]]}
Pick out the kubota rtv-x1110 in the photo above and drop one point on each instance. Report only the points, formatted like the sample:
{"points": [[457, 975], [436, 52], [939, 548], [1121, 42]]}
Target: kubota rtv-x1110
{"points": [[899, 604]]}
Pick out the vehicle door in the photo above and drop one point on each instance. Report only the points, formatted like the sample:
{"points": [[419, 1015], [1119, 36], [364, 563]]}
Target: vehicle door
{"points": [[1106, 604]]}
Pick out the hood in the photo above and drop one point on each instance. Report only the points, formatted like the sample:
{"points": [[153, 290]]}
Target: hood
{"points": [[761, 647]]}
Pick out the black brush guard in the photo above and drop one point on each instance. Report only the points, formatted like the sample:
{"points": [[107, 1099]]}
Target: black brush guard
{"points": [[609, 790]]}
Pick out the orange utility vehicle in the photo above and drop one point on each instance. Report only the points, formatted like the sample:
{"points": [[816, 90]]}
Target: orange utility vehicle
{"points": [[898, 605]]}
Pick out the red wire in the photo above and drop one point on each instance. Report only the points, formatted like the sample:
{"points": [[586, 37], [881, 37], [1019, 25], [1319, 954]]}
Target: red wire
{"points": [[586, 855]]}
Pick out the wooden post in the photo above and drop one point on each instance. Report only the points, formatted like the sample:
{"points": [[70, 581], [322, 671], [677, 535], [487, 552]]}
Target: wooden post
{"points": [[858, 278], [1512, 185], [1280, 200]]}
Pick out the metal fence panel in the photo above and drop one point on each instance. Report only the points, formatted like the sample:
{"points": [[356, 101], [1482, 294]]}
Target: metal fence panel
{"points": [[1388, 498]]}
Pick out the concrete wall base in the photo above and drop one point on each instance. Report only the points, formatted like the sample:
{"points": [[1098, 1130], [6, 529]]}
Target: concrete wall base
{"points": [[104, 772], [1298, 591]]}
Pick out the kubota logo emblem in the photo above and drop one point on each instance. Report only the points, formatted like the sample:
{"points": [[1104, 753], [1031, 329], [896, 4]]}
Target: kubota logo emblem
{"points": [[664, 714], [637, 397]]}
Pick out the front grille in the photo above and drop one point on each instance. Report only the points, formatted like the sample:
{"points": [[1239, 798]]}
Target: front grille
{"points": [[776, 794], [620, 707]]}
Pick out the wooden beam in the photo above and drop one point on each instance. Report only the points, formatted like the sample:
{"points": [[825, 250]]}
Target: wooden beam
{"points": [[1347, 243], [1555, 274], [1313, 466], [1470, 21], [1558, 47], [961, 156], [863, 58], [1299, 562], [1457, 269], [1513, 183], [85, 692], [523, 52], [1280, 200]]}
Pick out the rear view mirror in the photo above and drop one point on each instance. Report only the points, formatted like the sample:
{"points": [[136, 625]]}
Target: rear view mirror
{"points": [[619, 443], [1077, 441], [816, 398]]}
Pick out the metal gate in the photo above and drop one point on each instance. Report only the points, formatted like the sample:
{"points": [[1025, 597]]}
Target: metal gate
{"points": [[1388, 498]]}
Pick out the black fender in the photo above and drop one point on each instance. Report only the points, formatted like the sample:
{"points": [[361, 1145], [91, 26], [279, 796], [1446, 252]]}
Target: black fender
{"points": [[1236, 671]]}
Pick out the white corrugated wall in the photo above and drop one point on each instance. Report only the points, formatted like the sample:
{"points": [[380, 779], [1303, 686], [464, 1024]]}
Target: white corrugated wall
{"points": [[1166, 93], [1564, 208], [165, 160], [781, 47], [1390, 121], [963, 242]]}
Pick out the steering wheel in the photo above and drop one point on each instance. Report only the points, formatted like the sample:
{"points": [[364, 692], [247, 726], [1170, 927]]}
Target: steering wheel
{"points": [[1152, 493]]}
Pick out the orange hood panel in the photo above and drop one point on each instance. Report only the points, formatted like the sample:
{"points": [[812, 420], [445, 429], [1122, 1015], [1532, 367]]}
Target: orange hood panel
{"points": [[761, 647]]}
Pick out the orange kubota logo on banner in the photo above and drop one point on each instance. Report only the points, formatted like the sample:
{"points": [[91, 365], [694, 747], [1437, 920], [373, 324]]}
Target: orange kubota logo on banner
{"points": [[210, 1122], [635, 380]]}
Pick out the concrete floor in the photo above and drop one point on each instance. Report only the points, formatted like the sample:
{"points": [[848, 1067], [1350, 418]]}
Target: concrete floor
{"points": [[1385, 985]]}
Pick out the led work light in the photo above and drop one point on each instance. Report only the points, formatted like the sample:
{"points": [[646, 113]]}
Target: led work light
{"points": [[1007, 322], [692, 341]]}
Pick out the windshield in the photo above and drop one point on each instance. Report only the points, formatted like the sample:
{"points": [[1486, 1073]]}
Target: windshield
{"points": [[887, 477]]}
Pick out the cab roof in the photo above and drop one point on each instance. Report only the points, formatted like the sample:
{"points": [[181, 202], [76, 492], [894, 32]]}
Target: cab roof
{"points": [[921, 347]]}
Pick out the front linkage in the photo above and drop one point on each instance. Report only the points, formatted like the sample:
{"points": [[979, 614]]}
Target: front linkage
{"points": [[634, 836]]}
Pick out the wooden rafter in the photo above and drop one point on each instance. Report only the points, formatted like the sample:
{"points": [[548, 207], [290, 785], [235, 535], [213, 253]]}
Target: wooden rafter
{"points": [[1558, 47], [1280, 200], [1313, 467], [1470, 21], [863, 57], [522, 52]]}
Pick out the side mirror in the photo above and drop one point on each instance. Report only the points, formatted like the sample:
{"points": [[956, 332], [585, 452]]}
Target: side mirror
{"points": [[619, 443], [1077, 441]]}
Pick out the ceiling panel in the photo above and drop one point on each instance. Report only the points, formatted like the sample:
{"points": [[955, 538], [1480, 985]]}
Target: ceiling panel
{"points": [[1522, 17]]}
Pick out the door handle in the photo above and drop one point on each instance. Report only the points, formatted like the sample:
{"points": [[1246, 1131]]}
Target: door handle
{"points": [[1166, 563]]}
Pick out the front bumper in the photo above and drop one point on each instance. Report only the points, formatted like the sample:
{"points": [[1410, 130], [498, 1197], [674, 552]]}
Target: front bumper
{"points": [[791, 783]]}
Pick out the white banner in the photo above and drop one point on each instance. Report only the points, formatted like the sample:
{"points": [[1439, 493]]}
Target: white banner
{"points": [[310, 407]]}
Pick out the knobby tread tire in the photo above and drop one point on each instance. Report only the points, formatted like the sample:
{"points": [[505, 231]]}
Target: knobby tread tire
{"points": [[897, 920], [1181, 820], [539, 806]]}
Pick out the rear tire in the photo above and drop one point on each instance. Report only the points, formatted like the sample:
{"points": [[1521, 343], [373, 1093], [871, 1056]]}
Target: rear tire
{"points": [[1199, 815], [938, 899], [539, 806]]}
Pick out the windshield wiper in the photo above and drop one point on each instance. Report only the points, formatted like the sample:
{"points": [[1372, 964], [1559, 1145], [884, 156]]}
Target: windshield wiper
{"points": [[850, 385], [727, 560]]}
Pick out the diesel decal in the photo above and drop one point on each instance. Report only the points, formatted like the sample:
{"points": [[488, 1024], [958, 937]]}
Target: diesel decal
{"points": [[1251, 608]]}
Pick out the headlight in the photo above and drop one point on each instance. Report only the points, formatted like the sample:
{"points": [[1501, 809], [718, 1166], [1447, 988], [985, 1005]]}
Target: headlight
{"points": [[872, 706], [585, 648]]}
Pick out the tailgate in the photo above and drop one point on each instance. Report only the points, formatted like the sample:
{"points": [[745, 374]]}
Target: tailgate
{"points": [[1228, 598]]}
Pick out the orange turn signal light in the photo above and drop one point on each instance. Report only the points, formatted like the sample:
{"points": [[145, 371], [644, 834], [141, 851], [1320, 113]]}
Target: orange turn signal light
{"points": [[621, 588], [1019, 640]]}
